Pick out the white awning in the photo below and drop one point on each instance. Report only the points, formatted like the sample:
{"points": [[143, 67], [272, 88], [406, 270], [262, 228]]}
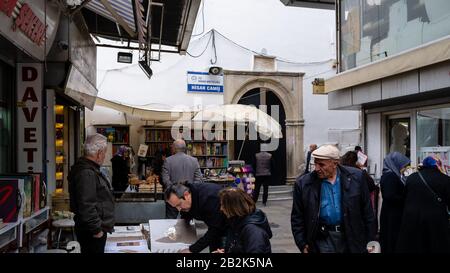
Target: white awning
{"points": [[146, 112]]}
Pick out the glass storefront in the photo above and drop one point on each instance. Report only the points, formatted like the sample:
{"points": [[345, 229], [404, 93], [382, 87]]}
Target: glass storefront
{"points": [[375, 29], [433, 134], [399, 136]]}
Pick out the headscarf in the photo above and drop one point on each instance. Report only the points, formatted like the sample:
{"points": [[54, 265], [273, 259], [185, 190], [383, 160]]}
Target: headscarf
{"points": [[122, 149], [433, 162], [394, 162]]}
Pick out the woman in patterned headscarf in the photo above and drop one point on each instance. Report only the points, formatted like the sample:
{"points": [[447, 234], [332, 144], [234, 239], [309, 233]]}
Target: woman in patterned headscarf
{"points": [[392, 191], [425, 222]]}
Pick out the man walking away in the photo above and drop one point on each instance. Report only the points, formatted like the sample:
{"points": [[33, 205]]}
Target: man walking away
{"points": [[178, 168], [263, 175]]}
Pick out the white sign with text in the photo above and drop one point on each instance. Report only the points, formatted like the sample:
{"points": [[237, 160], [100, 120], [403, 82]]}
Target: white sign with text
{"points": [[29, 117]]}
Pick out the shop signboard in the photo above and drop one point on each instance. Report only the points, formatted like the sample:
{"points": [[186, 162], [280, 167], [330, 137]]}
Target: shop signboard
{"points": [[204, 82], [30, 25], [29, 117]]}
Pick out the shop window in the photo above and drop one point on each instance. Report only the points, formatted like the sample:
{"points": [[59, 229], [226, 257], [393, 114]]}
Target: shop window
{"points": [[399, 136], [373, 29], [433, 134]]}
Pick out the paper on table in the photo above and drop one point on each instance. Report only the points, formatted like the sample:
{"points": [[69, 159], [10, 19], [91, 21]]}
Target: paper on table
{"points": [[132, 246], [171, 235]]}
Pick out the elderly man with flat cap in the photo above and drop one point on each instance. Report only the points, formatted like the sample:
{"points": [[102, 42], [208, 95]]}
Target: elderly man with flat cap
{"points": [[331, 211]]}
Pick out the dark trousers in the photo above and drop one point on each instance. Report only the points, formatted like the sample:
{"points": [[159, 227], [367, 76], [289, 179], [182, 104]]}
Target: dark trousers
{"points": [[261, 181], [171, 212], [89, 244], [333, 243]]}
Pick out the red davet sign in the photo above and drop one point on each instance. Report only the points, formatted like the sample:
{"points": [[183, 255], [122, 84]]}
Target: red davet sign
{"points": [[26, 21]]}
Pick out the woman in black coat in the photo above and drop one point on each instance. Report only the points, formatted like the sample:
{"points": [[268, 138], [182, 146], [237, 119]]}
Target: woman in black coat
{"points": [[250, 231], [425, 223], [120, 171], [392, 191]]}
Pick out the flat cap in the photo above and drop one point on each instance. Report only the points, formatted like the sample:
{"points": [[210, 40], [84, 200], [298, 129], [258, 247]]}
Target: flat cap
{"points": [[326, 152]]}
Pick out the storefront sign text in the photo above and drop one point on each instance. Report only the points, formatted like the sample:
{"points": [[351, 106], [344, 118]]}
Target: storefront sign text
{"points": [[7, 6], [29, 117], [30, 25]]}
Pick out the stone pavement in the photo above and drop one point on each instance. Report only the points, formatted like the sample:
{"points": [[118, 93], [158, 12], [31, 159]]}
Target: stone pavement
{"points": [[279, 216]]}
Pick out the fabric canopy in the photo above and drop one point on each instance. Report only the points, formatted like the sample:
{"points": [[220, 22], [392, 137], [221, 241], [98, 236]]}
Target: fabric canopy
{"points": [[146, 112]]}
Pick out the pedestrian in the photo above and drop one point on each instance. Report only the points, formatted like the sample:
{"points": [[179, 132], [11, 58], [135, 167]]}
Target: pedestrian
{"points": [[157, 164], [392, 192], [425, 221], [350, 159], [91, 198], [178, 168], [249, 228], [362, 158], [200, 201], [120, 170], [312, 148], [331, 211], [263, 175]]}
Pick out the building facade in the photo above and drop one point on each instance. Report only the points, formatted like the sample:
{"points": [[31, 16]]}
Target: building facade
{"points": [[394, 65]]}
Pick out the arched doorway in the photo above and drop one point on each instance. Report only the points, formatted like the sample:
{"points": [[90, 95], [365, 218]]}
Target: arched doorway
{"points": [[257, 97], [275, 86]]}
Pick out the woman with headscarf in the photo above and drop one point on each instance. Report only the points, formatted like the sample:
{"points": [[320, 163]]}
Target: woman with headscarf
{"points": [[120, 170], [392, 191], [425, 222]]}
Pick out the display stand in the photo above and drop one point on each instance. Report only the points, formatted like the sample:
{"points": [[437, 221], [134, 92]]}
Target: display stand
{"points": [[9, 235]]}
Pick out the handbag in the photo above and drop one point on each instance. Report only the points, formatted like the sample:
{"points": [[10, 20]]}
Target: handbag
{"points": [[436, 196]]}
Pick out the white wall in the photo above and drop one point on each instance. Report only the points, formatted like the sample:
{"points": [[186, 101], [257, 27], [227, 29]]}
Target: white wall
{"points": [[319, 121], [374, 142], [305, 36]]}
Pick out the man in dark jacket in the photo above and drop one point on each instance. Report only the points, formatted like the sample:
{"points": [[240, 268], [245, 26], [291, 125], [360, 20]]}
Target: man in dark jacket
{"points": [[331, 209], [200, 201], [91, 198]]}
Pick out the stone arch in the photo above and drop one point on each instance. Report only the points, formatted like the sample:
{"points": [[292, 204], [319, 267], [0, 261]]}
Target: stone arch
{"points": [[287, 87], [276, 87]]}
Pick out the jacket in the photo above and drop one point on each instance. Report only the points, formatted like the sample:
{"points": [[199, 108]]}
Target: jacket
{"points": [[91, 199], [263, 164], [425, 224], [358, 219], [250, 234], [120, 173], [206, 207], [393, 194], [180, 167]]}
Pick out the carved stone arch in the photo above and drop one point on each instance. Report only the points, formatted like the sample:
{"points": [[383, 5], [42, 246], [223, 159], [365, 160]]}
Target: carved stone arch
{"points": [[287, 87], [276, 87]]}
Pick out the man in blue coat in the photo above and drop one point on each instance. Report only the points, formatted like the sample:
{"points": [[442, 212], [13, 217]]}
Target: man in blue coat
{"points": [[331, 211]]}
